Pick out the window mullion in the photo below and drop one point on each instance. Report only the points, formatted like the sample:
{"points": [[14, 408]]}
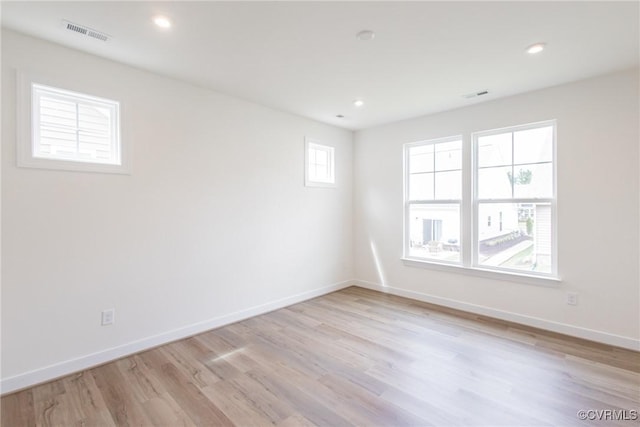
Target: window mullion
{"points": [[469, 217], [77, 129], [513, 170], [434, 170]]}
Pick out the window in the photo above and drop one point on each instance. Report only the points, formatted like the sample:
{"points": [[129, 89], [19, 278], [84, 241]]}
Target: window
{"points": [[516, 181], [320, 165], [505, 222], [433, 199], [69, 130]]}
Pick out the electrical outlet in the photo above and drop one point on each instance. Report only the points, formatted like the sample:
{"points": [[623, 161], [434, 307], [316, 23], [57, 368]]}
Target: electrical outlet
{"points": [[108, 316], [572, 298]]}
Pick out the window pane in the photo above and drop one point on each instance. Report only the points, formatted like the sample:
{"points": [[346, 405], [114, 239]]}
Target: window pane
{"points": [[319, 173], [515, 236], [494, 183], [94, 119], [70, 126], [421, 159], [320, 164], [494, 150], [448, 185], [57, 113], [448, 155], [421, 186], [321, 157], [533, 145], [533, 181], [434, 231]]}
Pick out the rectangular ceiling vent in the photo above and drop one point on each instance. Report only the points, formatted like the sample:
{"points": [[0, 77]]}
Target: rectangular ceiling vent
{"points": [[85, 31], [475, 94]]}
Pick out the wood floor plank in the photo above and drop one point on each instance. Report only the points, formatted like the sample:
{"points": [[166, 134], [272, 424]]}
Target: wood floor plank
{"points": [[85, 396], [190, 359], [163, 410], [258, 402], [53, 407], [353, 357], [367, 406], [119, 397], [187, 394], [422, 406], [140, 379], [18, 409], [296, 420], [319, 392], [311, 408]]}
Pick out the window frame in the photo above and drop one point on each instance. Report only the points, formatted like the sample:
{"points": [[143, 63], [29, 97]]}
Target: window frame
{"points": [[314, 144], [469, 214], [408, 202], [476, 200], [27, 133]]}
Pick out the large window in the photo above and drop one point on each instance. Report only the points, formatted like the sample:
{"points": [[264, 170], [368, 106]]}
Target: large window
{"points": [[433, 200], [514, 177], [69, 130], [506, 220]]}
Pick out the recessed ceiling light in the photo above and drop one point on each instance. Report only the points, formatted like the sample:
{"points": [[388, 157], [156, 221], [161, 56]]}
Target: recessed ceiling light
{"points": [[162, 21], [536, 48], [358, 102], [366, 35]]}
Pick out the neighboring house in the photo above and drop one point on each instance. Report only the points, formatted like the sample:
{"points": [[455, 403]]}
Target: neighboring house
{"points": [[435, 230]]}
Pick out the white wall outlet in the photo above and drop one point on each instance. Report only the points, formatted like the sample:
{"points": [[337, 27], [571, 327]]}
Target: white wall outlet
{"points": [[572, 298], [108, 316]]}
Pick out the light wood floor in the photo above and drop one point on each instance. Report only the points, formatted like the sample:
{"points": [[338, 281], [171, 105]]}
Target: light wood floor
{"points": [[354, 357]]}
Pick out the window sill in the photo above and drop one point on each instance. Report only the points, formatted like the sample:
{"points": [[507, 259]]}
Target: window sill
{"points": [[547, 281], [26, 161], [318, 184]]}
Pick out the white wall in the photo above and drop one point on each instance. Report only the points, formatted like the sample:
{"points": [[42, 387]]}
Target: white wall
{"points": [[598, 216], [213, 224]]}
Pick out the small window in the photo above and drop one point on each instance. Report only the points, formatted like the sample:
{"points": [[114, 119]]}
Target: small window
{"points": [[320, 165], [71, 131]]}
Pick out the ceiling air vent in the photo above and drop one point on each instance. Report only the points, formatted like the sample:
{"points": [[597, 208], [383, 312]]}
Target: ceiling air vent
{"points": [[85, 31], [475, 94]]}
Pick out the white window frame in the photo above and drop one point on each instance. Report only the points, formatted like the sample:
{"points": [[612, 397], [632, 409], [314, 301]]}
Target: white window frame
{"points": [[312, 144], [552, 201], [408, 203], [28, 133], [469, 216]]}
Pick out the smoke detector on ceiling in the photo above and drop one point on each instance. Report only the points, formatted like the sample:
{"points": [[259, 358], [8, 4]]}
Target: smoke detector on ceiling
{"points": [[85, 31]]}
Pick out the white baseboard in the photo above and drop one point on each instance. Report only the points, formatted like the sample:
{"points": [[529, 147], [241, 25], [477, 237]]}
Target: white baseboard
{"points": [[562, 328], [48, 373]]}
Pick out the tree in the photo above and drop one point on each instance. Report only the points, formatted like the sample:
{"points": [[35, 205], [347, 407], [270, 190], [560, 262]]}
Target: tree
{"points": [[529, 226], [523, 177]]}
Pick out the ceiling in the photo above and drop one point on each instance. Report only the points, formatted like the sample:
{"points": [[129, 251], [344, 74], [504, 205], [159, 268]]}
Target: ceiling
{"points": [[304, 57]]}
